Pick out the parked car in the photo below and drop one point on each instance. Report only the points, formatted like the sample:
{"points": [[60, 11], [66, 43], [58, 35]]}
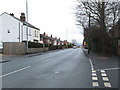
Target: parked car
{"points": [[74, 47]]}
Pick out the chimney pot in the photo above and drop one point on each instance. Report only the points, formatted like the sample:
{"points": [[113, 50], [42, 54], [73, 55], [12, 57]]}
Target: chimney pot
{"points": [[44, 33], [22, 17], [11, 14]]}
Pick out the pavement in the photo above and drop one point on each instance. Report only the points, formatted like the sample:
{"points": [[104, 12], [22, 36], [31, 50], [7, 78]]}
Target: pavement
{"points": [[68, 68]]}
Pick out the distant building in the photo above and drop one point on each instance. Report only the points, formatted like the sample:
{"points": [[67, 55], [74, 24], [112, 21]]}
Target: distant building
{"points": [[13, 29], [44, 38]]}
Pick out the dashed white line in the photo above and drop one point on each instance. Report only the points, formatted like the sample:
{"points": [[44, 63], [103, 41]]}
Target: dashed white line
{"points": [[103, 74], [93, 71], [46, 60], [94, 78], [106, 84], [105, 79], [94, 74], [92, 68], [95, 84], [102, 71], [57, 72], [14, 71]]}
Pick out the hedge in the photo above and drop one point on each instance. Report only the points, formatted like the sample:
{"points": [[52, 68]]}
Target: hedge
{"points": [[34, 44]]}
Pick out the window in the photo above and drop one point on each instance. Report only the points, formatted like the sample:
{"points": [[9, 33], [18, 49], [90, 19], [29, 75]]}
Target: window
{"points": [[35, 33], [29, 31]]}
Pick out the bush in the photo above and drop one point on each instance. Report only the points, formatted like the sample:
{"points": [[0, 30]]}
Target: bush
{"points": [[46, 45], [34, 44], [70, 46]]}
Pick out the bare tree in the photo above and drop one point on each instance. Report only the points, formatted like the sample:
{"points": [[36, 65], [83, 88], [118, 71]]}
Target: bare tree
{"points": [[103, 14]]}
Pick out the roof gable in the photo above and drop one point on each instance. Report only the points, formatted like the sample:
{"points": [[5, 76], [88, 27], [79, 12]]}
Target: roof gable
{"points": [[24, 23]]}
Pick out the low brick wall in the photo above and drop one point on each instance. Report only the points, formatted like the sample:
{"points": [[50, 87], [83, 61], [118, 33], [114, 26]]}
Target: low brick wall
{"points": [[19, 48], [37, 50], [14, 48]]}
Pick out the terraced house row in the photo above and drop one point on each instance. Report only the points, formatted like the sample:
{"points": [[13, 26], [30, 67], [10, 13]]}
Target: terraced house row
{"points": [[13, 29]]}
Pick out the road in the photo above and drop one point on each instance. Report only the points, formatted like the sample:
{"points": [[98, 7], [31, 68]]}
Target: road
{"points": [[69, 68]]}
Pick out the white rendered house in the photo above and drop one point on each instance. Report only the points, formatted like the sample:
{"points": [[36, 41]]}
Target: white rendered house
{"points": [[13, 29]]}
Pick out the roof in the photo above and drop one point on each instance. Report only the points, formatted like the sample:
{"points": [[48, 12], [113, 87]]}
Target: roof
{"points": [[47, 37], [24, 23]]}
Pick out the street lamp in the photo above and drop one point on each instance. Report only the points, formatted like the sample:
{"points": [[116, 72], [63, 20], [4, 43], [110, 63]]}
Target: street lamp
{"points": [[27, 22], [67, 37], [89, 36]]}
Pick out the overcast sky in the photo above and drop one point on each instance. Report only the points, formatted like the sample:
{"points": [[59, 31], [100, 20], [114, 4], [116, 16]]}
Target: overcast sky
{"points": [[54, 17]]}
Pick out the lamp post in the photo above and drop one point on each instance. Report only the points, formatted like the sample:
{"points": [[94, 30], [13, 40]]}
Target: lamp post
{"points": [[89, 36], [27, 22], [67, 37]]}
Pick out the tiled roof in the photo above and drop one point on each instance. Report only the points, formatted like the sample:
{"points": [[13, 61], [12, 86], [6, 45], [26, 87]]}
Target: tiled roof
{"points": [[24, 23]]}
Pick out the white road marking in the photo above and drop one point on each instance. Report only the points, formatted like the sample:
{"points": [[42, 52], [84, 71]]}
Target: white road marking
{"points": [[95, 84], [92, 68], [106, 84], [102, 71], [94, 78], [57, 72], [94, 74], [91, 62], [107, 69], [45, 60], [93, 71], [14, 71], [103, 74], [105, 79]]}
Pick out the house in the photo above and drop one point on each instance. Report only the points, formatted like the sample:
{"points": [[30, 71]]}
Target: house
{"points": [[58, 41], [44, 38], [65, 42], [13, 29], [52, 40]]}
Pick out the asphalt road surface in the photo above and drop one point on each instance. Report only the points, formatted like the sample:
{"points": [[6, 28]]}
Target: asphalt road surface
{"points": [[69, 68]]}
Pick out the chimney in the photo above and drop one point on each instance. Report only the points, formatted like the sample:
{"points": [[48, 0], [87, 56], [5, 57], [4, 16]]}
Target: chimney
{"points": [[22, 17], [44, 34], [51, 36], [11, 14]]}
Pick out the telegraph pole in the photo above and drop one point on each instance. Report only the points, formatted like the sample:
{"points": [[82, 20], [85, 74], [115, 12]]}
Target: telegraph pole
{"points": [[67, 37], [27, 22], [89, 36]]}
